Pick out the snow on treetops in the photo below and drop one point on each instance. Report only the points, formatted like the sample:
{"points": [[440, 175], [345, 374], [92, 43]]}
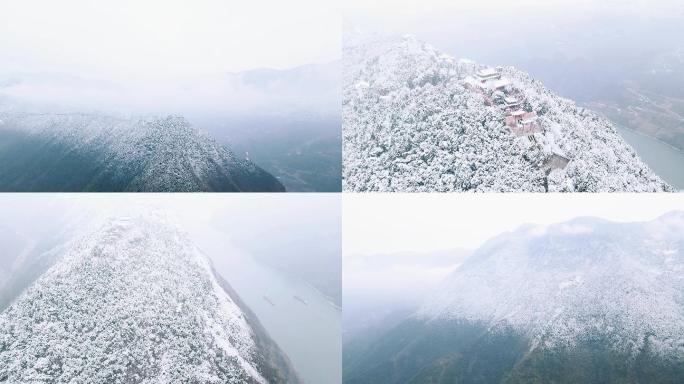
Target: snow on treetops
{"points": [[133, 301], [411, 122], [582, 278], [135, 154]]}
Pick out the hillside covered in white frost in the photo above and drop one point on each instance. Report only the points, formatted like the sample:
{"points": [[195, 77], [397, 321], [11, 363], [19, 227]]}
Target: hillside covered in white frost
{"points": [[413, 121], [584, 301], [95, 152], [562, 283], [135, 302]]}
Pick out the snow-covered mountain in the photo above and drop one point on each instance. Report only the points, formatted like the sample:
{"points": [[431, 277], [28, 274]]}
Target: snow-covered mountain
{"points": [[582, 301], [285, 120], [135, 301], [93, 152], [415, 119], [561, 282]]}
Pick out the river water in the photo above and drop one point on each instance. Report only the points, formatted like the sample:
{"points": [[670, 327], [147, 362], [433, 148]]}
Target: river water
{"points": [[301, 320], [665, 160]]}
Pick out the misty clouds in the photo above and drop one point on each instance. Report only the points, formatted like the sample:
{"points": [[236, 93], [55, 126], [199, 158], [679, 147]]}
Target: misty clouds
{"points": [[311, 90], [124, 39], [213, 60]]}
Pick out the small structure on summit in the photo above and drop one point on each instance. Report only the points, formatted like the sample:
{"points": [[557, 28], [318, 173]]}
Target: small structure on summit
{"points": [[473, 84], [500, 84], [528, 119], [522, 123], [511, 121], [499, 90], [499, 97], [486, 81], [517, 114], [487, 74], [511, 102], [556, 161]]}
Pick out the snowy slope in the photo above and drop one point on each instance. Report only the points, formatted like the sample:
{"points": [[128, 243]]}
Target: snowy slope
{"points": [[77, 152], [411, 124], [134, 301], [561, 283], [585, 301]]}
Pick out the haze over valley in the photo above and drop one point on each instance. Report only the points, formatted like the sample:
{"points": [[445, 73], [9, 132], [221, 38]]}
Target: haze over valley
{"points": [[261, 97]]}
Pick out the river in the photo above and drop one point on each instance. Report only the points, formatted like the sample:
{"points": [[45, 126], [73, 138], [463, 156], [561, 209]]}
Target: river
{"points": [[301, 320], [665, 160]]}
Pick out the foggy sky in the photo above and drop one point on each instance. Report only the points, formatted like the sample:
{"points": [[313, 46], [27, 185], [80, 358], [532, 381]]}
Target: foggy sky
{"points": [[441, 17], [170, 57], [374, 224], [584, 50], [128, 38], [244, 217], [384, 233]]}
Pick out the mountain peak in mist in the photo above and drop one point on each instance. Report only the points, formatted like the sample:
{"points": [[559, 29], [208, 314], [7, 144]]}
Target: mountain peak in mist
{"points": [[133, 301], [95, 152], [586, 300], [574, 278]]}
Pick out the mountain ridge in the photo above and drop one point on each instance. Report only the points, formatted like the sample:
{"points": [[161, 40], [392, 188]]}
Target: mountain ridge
{"points": [[586, 300], [92, 152], [135, 301], [412, 124]]}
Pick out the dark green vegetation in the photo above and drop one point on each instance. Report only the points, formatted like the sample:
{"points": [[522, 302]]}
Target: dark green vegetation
{"points": [[165, 155], [418, 352], [462, 352]]}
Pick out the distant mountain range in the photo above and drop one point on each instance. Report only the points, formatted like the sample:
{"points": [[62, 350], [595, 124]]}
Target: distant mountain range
{"points": [[415, 119], [135, 301], [95, 152], [585, 301]]}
